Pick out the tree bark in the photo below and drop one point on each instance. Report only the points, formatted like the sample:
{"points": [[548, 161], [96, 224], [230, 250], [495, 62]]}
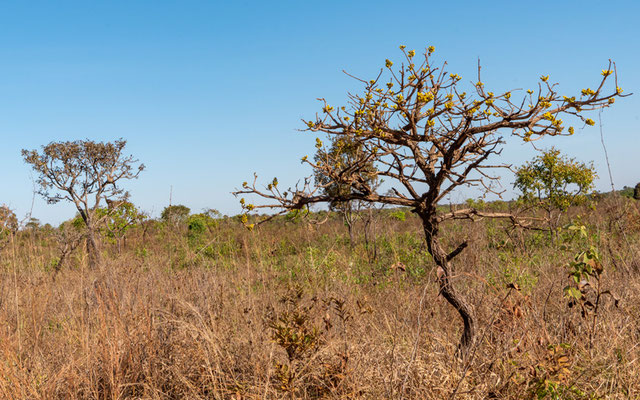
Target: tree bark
{"points": [[442, 261], [93, 250], [95, 259], [347, 216]]}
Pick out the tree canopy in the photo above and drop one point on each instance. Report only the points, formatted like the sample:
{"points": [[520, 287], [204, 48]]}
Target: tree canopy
{"points": [[554, 181], [427, 136]]}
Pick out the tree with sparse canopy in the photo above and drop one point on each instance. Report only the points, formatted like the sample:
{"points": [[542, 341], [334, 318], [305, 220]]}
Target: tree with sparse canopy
{"points": [[553, 183], [84, 173], [118, 218], [343, 151], [427, 137], [175, 214]]}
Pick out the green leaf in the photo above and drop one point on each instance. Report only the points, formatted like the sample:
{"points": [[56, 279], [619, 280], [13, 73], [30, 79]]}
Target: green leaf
{"points": [[572, 292]]}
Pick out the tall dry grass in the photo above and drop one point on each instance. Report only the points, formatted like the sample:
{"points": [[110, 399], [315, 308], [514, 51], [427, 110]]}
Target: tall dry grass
{"points": [[293, 311]]}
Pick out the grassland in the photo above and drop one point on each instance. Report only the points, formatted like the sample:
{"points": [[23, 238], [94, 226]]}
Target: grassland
{"points": [[294, 310]]}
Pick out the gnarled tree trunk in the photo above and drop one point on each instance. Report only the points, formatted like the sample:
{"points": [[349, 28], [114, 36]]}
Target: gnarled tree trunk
{"points": [[443, 261]]}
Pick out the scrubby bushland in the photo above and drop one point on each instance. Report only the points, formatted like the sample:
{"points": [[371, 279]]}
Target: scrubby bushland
{"points": [[292, 310]]}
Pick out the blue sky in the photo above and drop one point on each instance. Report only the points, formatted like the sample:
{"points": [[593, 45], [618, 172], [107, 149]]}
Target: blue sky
{"points": [[206, 93]]}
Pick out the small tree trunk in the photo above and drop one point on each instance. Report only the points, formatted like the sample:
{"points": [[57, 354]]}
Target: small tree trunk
{"points": [[350, 229], [446, 288], [95, 258], [68, 248], [369, 235], [347, 216], [366, 223], [92, 246]]}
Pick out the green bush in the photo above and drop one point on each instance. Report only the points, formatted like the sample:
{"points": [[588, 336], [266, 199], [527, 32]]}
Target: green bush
{"points": [[399, 215]]}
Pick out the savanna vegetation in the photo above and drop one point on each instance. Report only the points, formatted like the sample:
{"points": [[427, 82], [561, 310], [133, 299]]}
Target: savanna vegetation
{"points": [[207, 309], [388, 292]]}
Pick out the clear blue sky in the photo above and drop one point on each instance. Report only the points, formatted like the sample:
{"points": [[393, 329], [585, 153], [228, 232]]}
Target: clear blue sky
{"points": [[208, 92]]}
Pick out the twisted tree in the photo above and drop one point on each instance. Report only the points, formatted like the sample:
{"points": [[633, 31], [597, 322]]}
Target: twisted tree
{"points": [[426, 138], [84, 173]]}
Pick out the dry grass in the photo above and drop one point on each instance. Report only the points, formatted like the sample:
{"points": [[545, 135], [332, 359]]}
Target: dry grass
{"points": [[291, 311]]}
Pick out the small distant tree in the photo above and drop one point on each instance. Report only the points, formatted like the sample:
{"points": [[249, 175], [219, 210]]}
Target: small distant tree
{"points": [[636, 192], [8, 224], [427, 137], [553, 182], [175, 215], [84, 173], [212, 213], [200, 224], [118, 219], [343, 151], [33, 224]]}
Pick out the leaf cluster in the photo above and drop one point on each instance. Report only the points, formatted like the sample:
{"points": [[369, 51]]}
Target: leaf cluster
{"points": [[118, 220], [175, 213]]}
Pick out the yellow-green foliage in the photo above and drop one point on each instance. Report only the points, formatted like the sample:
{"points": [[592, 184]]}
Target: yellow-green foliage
{"points": [[554, 181]]}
